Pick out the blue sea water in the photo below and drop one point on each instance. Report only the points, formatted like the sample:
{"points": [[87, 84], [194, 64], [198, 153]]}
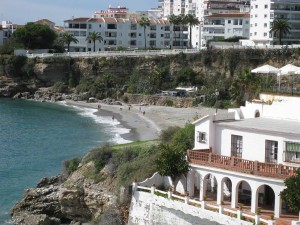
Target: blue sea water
{"points": [[35, 138]]}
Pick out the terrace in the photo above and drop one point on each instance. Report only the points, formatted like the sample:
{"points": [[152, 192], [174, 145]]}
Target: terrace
{"points": [[209, 159]]}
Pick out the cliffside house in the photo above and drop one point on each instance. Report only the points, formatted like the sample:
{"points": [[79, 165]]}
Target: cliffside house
{"points": [[243, 157]]}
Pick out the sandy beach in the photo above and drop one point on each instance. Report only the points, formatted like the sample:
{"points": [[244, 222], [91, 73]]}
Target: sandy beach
{"points": [[149, 125]]}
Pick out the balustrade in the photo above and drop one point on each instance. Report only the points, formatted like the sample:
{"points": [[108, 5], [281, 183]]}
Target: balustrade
{"points": [[241, 165]]}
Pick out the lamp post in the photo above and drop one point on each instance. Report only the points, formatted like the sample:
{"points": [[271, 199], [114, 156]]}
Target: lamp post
{"points": [[217, 95]]}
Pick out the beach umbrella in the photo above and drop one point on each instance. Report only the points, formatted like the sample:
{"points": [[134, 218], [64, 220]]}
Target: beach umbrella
{"points": [[266, 69], [288, 69]]}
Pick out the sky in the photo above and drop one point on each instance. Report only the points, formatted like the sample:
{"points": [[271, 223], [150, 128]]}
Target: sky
{"points": [[23, 11]]}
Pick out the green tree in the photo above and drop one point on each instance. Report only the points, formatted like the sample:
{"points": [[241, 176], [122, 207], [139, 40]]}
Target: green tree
{"points": [[191, 20], [280, 27], [171, 162], [34, 36], [186, 76], [174, 20], [94, 36], [244, 87], [144, 22], [182, 22], [183, 139], [291, 194], [67, 39]]}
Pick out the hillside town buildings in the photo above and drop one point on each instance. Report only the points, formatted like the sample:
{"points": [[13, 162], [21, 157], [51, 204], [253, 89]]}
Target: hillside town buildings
{"points": [[125, 33], [264, 12], [218, 19]]}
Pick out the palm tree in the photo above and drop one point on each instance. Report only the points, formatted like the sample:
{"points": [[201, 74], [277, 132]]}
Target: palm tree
{"points": [[144, 22], [94, 36], [281, 27], [67, 39], [182, 22], [191, 20], [174, 20]]}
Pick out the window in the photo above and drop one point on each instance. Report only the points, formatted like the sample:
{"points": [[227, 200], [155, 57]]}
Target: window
{"points": [[236, 146], [201, 137], [292, 153], [229, 21], [255, 24], [111, 26], [265, 16], [265, 24], [266, 6], [271, 153], [255, 33]]}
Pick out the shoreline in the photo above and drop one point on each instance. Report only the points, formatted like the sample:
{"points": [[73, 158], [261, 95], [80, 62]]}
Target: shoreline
{"points": [[149, 125]]}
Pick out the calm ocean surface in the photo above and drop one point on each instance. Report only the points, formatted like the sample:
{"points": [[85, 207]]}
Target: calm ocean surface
{"points": [[35, 138]]}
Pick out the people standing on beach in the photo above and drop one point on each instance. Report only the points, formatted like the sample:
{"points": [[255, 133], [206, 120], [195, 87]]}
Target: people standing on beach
{"points": [[144, 113], [99, 107], [113, 117]]}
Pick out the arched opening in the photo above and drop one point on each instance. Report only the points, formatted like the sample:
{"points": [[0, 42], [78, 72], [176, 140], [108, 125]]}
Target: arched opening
{"points": [[244, 194], [265, 199], [257, 114], [227, 191], [210, 187]]}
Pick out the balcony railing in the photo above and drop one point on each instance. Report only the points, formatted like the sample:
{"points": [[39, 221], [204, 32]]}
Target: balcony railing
{"points": [[241, 165]]}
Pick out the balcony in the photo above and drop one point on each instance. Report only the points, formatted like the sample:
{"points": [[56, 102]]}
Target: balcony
{"points": [[256, 168]]}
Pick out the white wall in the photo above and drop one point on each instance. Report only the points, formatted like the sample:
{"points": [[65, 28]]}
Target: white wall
{"points": [[253, 143], [260, 21], [206, 126], [147, 209]]}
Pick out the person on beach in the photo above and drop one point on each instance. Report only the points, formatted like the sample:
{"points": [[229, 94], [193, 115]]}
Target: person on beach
{"points": [[99, 107], [144, 113], [113, 117]]}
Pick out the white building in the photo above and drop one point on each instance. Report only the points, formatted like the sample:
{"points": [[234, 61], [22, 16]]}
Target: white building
{"points": [[263, 13], [245, 155], [125, 33], [226, 26]]}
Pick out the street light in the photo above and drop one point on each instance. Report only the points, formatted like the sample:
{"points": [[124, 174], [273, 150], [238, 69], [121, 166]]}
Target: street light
{"points": [[217, 95]]}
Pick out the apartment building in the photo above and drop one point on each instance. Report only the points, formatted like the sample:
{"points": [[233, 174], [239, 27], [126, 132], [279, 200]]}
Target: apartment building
{"points": [[264, 12], [125, 33], [225, 26]]}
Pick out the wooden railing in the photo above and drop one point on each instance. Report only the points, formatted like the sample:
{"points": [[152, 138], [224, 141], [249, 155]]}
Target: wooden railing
{"points": [[240, 165]]}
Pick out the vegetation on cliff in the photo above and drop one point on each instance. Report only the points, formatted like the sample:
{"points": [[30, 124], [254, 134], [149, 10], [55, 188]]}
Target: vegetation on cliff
{"points": [[103, 77], [116, 167]]}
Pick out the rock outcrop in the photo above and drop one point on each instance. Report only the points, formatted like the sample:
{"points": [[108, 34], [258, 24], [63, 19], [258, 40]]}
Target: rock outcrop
{"points": [[59, 200]]}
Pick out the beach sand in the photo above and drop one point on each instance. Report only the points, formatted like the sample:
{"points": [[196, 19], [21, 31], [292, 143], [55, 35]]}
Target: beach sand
{"points": [[149, 125]]}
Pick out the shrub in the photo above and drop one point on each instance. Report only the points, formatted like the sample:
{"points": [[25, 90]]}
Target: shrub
{"points": [[59, 87], [167, 134], [170, 103], [125, 98], [71, 165]]}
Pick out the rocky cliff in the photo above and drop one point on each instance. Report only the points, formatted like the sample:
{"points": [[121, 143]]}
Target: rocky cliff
{"points": [[58, 200], [20, 74]]}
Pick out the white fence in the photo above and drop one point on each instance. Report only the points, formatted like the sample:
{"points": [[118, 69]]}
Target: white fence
{"points": [[240, 216], [115, 53], [256, 47]]}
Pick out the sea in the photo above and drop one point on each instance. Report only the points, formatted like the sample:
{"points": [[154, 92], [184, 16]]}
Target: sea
{"points": [[35, 139]]}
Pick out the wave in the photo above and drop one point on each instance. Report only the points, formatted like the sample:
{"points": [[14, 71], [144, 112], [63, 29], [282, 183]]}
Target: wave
{"points": [[112, 126]]}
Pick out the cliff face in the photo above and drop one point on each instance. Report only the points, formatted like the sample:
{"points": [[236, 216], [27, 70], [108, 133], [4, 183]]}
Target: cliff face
{"points": [[59, 200], [22, 74]]}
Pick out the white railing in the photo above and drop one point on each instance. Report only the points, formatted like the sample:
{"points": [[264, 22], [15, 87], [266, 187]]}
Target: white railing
{"points": [[115, 53], [217, 46], [220, 209]]}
